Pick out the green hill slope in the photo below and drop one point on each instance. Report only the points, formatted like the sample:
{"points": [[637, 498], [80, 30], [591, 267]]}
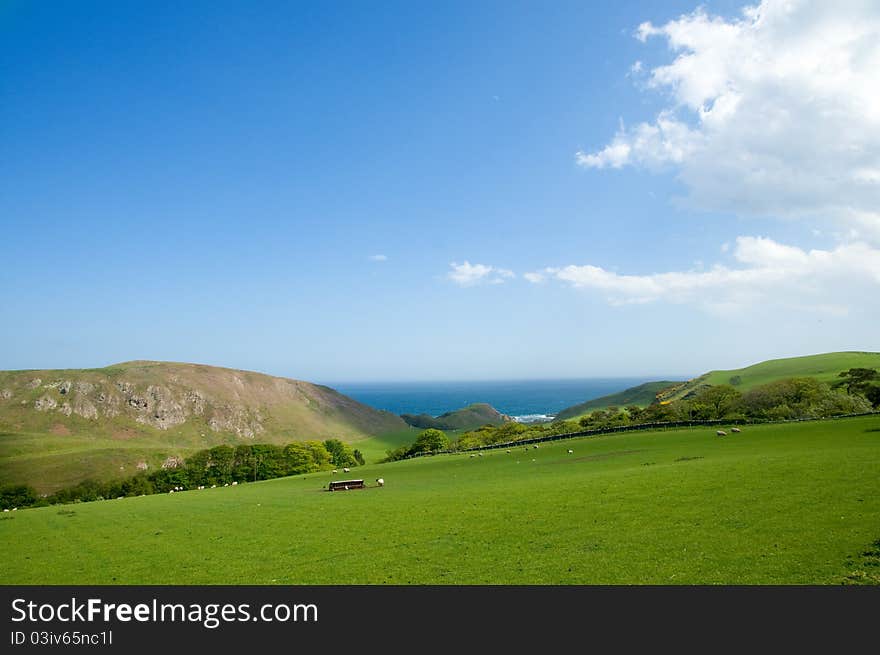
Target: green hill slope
{"points": [[641, 395], [467, 418], [58, 427], [824, 367]]}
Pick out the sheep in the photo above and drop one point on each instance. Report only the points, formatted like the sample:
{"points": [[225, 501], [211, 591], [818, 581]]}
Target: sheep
{"points": [[721, 433], [213, 486], [735, 430], [225, 484], [508, 451], [234, 483], [6, 509], [472, 456], [479, 454], [380, 482], [345, 469], [570, 451], [535, 446], [334, 472]]}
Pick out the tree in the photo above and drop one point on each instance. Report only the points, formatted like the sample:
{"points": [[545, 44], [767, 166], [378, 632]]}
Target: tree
{"points": [[717, 401], [359, 457], [857, 380], [429, 441], [340, 454]]}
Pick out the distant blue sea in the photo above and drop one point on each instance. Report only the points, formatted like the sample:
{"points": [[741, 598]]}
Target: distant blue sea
{"points": [[526, 400]]}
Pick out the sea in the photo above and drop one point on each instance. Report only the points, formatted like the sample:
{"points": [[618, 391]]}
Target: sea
{"points": [[526, 401]]}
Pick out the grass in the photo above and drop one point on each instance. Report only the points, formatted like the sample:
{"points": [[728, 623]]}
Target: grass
{"points": [[776, 504], [824, 367]]}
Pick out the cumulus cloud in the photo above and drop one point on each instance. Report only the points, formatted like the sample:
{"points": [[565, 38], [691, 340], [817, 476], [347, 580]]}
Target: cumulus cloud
{"points": [[535, 278], [814, 280], [378, 258], [774, 113], [467, 274]]}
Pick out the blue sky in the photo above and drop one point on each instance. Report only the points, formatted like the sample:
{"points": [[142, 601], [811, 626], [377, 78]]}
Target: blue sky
{"points": [[295, 188]]}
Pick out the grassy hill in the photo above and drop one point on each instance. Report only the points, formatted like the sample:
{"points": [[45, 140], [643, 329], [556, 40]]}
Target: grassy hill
{"points": [[58, 427], [824, 367], [795, 503], [467, 418], [641, 395]]}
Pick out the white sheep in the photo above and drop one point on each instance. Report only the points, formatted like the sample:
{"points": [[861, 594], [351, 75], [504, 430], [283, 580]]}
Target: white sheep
{"points": [[225, 484], [721, 433], [472, 456], [6, 509], [213, 486], [345, 469], [380, 482], [334, 472], [235, 483], [508, 450], [479, 454], [535, 446], [570, 451], [735, 430]]}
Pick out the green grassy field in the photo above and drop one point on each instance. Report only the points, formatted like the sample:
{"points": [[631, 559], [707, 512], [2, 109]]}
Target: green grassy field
{"points": [[824, 367], [776, 504]]}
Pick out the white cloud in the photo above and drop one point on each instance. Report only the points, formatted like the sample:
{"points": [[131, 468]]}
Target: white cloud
{"points": [[467, 274], [378, 258], [770, 272], [775, 113], [535, 278]]}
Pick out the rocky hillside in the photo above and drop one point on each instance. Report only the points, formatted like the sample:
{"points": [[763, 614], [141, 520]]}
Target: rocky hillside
{"points": [[159, 395], [60, 426]]}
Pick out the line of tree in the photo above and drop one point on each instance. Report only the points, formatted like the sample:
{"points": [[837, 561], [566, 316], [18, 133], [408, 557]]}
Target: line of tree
{"points": [[857, 391], [429, 441], [219, 465]]}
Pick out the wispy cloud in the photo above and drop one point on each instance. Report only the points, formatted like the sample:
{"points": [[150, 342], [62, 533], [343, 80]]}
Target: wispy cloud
{"points": [[378, 258], [467, 274], [770, 274]]}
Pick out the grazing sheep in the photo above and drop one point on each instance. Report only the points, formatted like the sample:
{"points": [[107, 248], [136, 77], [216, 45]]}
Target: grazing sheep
{"points": [[721, 433], [508, 451], [535, 446], [472, 456], [6, 509], [234, 483], [213, 486], [380, 482], [225, 484], [570, 451], [171, 491], [735, 430], [345, 469], [334, 472], [479, 454]]}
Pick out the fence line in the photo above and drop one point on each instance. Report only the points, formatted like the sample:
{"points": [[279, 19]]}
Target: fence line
{"points": [[638, 426]]}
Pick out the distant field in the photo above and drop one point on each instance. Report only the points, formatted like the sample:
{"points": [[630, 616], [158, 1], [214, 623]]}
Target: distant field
{"points": [[793, 503], [824, 367]]}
